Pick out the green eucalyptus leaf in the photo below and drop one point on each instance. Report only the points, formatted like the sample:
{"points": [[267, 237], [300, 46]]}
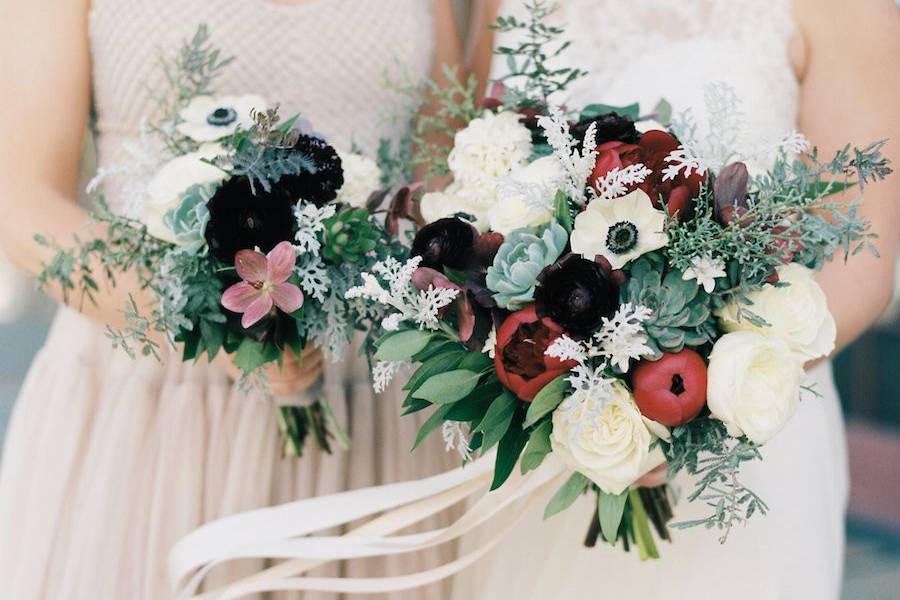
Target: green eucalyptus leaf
{"points": [[567, 494], [546, 400], [401, 345], [538, 447], [436, 419], [610, 508], [445, 388], [508, 450], [439, 363], [497, 419], [632, 111]]}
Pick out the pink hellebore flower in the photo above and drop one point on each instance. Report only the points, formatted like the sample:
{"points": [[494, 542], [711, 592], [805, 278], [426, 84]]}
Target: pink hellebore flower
{"points": [[264, 284]]}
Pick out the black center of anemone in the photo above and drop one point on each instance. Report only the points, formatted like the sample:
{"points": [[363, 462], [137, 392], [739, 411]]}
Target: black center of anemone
{"points": [[622, 237], [677, 385], [221, 117]]}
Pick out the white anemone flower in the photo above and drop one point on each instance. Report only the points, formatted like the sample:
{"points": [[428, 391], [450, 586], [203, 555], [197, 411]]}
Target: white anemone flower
{"points": [[211, 118], [620, 229]]}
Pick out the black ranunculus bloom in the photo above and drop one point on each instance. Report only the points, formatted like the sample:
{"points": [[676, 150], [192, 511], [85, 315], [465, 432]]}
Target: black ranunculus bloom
{"points": [[611, 127], [320, 187], [576, 293], [447, 242], [241, 220]]}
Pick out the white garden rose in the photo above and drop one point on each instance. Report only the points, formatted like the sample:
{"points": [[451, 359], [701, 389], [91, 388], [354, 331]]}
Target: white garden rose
{"points": [[606, 441], [753, 384], [526, 196], [473, 200], [489, 147], [166, 189], [211, 118], [361, 177], [797, 313]]}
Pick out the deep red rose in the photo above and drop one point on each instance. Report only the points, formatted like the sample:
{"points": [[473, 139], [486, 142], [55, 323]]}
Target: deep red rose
{"points": [[519, 355], [651, 151], [671, 390]]}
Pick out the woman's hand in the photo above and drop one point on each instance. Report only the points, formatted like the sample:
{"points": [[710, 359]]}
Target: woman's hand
{"points": [[654, 478], [295, 375]]}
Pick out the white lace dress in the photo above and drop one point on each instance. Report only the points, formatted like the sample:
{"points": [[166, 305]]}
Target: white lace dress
{"points": [[641, 51], [109, 461]]}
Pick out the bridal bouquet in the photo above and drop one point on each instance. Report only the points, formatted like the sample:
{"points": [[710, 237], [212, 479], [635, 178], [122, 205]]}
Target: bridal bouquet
{"points": [[246, 229], [620, 298]]}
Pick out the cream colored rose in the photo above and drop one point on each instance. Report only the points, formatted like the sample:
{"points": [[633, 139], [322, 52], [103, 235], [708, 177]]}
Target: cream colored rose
{"points": [[753, 384], [525, 198], [361, 177], [797, 313], [474, 200], [489, 147], [165, 190], [608, 442]]}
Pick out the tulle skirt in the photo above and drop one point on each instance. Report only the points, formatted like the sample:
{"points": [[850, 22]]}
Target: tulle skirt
{"points": [[109, 461]]}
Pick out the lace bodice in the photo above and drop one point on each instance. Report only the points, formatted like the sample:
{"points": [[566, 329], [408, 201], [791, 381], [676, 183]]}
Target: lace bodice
{"points": [[326, 59], [644, 50]]}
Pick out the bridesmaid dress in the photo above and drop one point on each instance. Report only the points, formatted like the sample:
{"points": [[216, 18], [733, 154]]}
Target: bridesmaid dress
{"points": [[641, 51], [108, 460]]}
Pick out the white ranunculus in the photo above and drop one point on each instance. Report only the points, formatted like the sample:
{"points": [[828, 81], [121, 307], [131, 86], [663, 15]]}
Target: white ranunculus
{"points": [[797, 313], [753, 384], [361, 177], [211, 118], [473, 200], [167, 187], [620, 229], [490, 146], [607, 441]]}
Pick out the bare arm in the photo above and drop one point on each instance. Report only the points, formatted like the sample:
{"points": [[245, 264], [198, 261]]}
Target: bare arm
{"points": [[480, 44], [850, 91], [45, 67]]}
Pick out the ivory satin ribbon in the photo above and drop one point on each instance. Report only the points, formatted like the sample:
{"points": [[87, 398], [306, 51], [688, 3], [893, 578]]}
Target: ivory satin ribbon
{"points": [[282, 532]]}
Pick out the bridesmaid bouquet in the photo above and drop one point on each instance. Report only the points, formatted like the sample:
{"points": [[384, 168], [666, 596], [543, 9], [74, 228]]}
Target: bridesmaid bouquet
{"points": [[618, 298], [246, 229]]}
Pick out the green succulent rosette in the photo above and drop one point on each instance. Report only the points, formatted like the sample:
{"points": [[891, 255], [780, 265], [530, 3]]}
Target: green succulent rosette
{"points": [[348, 236], [521, 258], [681, 308], [188, 221]]}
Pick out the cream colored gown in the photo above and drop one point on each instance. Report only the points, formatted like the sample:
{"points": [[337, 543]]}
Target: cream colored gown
{"points": [[108, 460]]}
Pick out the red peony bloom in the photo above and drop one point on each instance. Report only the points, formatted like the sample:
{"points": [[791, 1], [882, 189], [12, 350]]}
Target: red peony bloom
{"points": [[651, 151], [671, 390], [519, 355]]}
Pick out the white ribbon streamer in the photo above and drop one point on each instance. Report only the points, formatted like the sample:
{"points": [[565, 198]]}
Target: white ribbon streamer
{"points": [[278, 532]]}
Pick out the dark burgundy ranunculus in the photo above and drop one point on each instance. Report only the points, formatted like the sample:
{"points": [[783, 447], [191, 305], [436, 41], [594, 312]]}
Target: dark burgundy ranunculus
{"points": [[486, 247], [519, 356], [319, 187], [611, 127], [446, 242], [651, 150], [671, 390], [240, 219], [577, 293]]}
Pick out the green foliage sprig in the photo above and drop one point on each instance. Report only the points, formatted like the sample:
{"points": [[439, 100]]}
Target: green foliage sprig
{"points": [[529, 59], [191, 72], [703, 447]]}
